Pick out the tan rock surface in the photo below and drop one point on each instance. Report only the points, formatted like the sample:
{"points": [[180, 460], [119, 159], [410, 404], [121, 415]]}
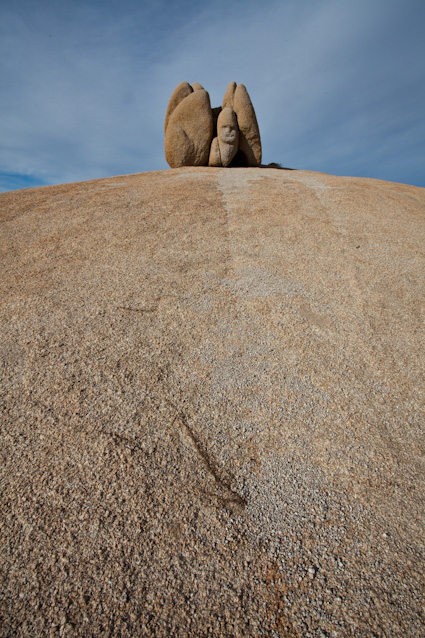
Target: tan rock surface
{"points": [[215, 157], [213, 406], [229, 95], [189, 131], [249, 137], [228, 135], [225, 146], [181, 91]]}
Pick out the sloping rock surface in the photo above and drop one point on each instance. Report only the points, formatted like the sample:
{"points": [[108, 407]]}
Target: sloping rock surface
{"points": [[213, 406]]}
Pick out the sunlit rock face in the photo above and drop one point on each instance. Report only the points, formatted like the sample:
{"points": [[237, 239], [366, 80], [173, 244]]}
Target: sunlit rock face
{"points": [[188, 127], [197, 135], [212, 399]]}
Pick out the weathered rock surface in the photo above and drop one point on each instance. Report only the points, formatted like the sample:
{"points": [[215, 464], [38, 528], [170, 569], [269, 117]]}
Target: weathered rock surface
{"points": [[197, 87], [189, 130], [229, 96], [181, 91], [225, 146], [249, 137], [228, 135], [213, 406], [215, 157]]}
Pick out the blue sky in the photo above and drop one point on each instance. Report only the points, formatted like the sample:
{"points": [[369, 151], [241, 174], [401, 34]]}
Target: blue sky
{"points": [[338, 85]]}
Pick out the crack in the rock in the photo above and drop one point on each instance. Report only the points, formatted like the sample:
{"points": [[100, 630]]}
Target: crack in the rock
{"points": [[235, 498]]}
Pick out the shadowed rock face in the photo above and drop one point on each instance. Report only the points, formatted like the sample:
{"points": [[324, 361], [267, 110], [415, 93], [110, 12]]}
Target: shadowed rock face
{"points": [[190, 129], [249, 138], [225, 146], [212, 406]]}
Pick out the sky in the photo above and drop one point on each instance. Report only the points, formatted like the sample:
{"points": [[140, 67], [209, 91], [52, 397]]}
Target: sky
{"points": [[338, 86]]}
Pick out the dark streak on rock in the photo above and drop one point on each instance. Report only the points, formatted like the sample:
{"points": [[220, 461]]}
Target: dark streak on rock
{"points": [[235, 498]]}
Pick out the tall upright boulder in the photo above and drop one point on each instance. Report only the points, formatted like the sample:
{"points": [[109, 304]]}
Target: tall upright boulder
{"points": [[189, 128], [249, 133]]}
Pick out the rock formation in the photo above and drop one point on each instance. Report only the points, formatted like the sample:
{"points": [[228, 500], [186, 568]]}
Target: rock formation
{"points": [[197, 135]]}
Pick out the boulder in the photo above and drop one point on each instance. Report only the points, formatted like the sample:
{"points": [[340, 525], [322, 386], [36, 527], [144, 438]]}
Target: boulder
{"points": [[229, 95], [249, 138], [228, 135], [189, 131], [180, 92]]}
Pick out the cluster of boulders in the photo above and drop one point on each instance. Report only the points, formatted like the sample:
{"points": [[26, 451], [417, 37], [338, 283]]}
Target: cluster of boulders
{"points": [[197, 135]]}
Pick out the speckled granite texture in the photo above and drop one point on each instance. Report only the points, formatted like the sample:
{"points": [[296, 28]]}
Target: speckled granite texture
{"points": [[213, 406]]}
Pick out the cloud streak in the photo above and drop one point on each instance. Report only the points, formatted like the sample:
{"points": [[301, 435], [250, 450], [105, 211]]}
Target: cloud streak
{"points": [[337, 86]]}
